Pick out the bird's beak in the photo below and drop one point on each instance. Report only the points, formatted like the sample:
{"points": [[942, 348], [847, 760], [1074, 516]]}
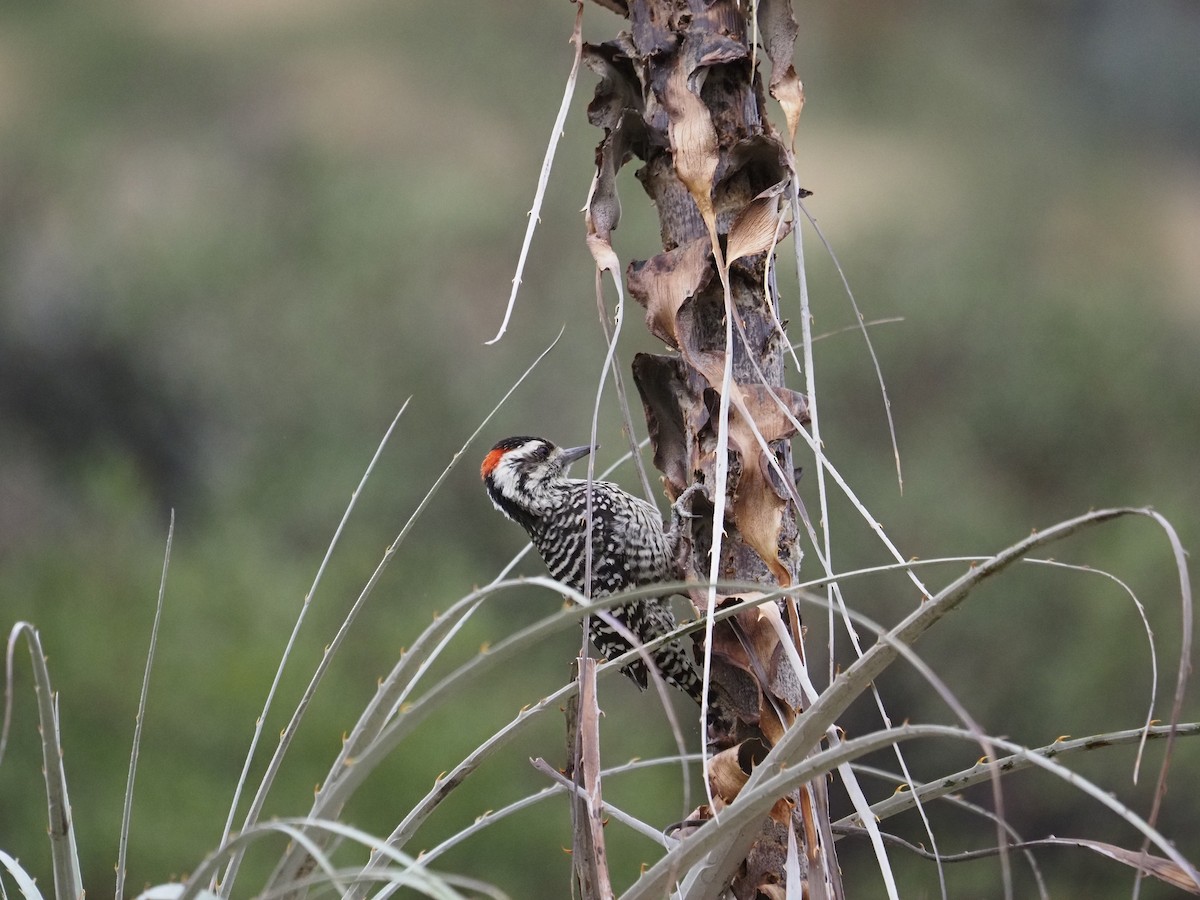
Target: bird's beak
{"points": [[569, 456]]}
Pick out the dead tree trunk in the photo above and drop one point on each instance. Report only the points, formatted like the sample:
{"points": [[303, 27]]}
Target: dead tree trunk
{"points": [[680, 91]]}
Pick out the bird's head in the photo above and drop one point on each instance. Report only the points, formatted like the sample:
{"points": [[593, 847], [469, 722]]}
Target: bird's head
{"points": [[520, 474]]}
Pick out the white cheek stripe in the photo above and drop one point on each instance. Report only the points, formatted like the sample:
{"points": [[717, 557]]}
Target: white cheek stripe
{"points": [[504, 478]]}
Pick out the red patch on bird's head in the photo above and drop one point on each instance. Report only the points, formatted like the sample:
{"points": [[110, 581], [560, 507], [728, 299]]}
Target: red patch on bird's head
{"points": [[491, 461]]}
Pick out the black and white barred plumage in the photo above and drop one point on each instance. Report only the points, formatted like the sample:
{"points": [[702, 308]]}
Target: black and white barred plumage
{"points": [[525, 478]]}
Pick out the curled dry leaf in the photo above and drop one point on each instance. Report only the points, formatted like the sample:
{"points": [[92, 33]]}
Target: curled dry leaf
{"points": [[790, 94], [693, 140], [669, 392], [752, 646], [619, 87], [690, 130], [617, 108], [777, 25], [602, 252], [756, 164], [665, 282], [726, 777], [603, 210], [730, 769], [763, 626], [760, 501], [759, 226]]}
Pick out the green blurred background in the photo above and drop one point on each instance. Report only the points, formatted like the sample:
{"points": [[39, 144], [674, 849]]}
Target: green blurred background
{"points": [[236, 235]]}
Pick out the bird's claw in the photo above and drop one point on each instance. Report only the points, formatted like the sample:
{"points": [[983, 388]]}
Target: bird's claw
{"points": [[683, 503]]}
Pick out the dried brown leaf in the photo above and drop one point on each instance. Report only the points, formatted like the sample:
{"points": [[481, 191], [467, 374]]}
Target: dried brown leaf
{"points": [[671, 398], [726, 777], [757, 228], [770, 724], [758, 513], [713, 46], [758, 162], [756, 626], [773, 410], [789, 91], [602, 213], [602, 251], [759, 502], [730, 769], [617, 108], [781, 812], [742, 680], [665, 282], [761, 629], [741, 692], [777, 25], [693, 139], [619, 88], [709, 363], [782, 678], [755, 667]]}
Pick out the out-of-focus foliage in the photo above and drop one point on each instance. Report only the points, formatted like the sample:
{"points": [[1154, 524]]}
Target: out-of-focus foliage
{"points": [[236, 235]]}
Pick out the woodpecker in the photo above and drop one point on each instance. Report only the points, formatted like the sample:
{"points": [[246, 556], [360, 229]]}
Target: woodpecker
{"points": [[526, 480]]}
